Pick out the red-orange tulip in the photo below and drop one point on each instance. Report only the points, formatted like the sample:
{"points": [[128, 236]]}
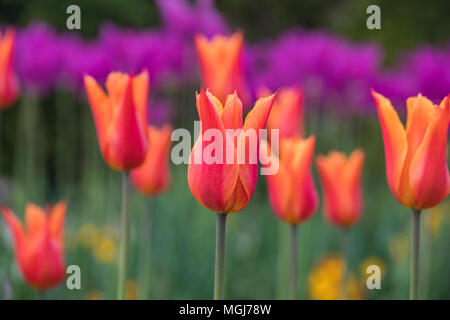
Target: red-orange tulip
{"points": [[121, 118], [153, 176], [39, 245], [221, 186], [416, 166], [287, 112], [292, 193], [221, 65], [9, 84], [341, 183]]}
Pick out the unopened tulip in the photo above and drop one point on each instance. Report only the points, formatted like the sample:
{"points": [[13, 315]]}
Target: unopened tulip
{"points": [[227, 186], [287, 112], [153, 176], [39, 245], [9, 84], [416, 166], [341, 182], [292, 193], [221, 65], [120, 117]]}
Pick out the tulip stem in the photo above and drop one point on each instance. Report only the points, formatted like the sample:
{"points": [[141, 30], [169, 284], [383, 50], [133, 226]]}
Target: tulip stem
{"points": [[346, 255], [294, 263], [414, 266], [146, 245], [125, 221], [219, 279]]}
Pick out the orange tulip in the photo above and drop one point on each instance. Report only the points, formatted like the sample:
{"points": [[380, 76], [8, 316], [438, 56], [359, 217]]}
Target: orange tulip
{"points": [[341, 183], [292, 193], [227, 186], [39, 245], [416, 166], [287, 112], [153, 176], [120, 118], [221, 65], [9, 84]]}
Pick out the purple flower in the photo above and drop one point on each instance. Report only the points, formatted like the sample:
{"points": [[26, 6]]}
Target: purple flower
{"points": [[328, 67], [183, 18], [38, 57]]}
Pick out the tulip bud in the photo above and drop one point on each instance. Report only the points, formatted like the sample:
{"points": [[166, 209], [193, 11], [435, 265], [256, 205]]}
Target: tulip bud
{"points": [[153, 176], [292, 193], [221, 65], [221, 185], [39, 245], [341, 183], [416, 165], [120, 118], [287, 112], [9, 84]]}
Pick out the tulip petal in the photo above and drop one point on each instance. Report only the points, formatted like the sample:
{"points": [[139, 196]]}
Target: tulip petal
{"points": [[329, 169], [419, 111], [395, 143], [238, 199], [153, 176], [116, 84], [57, 220], [428, 172], [352, 177], [209, 109], [254, 122], [232, 112], [257, 117], [6, 50], [279, 184], [15, 226], [141, 86], [100, 107], [35, 219], [212, 184], [127, 142]]}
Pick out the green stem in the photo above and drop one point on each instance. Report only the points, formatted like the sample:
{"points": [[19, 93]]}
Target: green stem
{"points": [[146, 244], [123, 253], [294, 263], [346, 254], [414, 266], [219, 280]]}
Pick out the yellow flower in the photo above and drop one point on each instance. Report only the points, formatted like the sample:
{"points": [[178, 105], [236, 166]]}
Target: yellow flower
{"points": [[105, 249], [354, 288], [131, 290], [372, 261], [326, 281], [87, 236]]}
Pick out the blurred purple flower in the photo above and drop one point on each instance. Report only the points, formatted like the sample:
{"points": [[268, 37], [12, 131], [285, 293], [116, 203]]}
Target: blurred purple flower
{"points": [[183, 18], [327, 64], [430, 70], [156, 50], [38, 57], [81, 57]]}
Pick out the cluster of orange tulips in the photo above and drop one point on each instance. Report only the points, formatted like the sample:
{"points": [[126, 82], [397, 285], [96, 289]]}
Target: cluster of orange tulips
{"points": [[415, 156]]}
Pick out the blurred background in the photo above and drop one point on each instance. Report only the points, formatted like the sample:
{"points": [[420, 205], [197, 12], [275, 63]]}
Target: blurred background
{"points": [[49, 150]]}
